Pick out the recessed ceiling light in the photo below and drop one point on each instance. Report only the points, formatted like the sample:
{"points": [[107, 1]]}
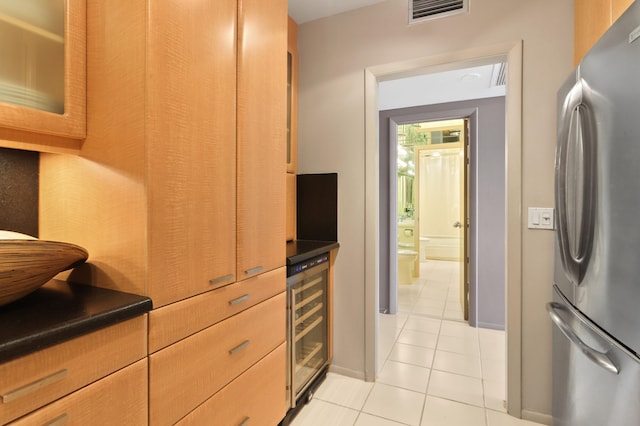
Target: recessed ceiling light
{"points": [[470, 77]]}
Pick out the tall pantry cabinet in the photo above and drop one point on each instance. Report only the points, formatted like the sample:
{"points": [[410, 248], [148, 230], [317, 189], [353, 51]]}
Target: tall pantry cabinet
{"points": [[179, 192], [262, 91], [152, 194], [292, 127]]}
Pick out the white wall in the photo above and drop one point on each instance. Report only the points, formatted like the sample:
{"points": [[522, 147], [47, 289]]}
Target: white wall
{"points": [[333, 55]]}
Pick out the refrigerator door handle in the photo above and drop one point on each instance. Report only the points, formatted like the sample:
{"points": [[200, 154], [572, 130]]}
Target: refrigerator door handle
{"points": [[597, 357], [575, 182]]}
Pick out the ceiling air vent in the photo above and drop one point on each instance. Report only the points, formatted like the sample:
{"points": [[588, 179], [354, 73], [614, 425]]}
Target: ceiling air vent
{"points": [[499, 74], [423, 10]]}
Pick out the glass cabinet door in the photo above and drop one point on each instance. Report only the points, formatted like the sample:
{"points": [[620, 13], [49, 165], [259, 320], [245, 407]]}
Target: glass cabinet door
{"points": [[42, 69], [32, 50], [292, 97]]}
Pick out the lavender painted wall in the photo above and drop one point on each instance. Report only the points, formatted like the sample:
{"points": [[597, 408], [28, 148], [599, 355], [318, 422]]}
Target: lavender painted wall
{"points": [[487, 198]]}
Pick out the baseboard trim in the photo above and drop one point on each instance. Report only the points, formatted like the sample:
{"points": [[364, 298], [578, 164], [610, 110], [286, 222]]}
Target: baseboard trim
{"points": [[346, 372], [491, 325], [534, 416]]}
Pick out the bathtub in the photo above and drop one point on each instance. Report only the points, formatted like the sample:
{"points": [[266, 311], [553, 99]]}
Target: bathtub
{"points": [[439, 247]]}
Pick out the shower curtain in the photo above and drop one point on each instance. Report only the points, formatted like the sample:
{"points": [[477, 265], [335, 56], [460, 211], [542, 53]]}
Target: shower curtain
{"points": [[440, 200]]}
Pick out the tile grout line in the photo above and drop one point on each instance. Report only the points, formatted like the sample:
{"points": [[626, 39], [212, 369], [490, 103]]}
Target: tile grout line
{"points": [[409, 316]]}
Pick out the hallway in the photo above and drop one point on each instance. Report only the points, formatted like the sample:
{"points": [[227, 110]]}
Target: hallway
{"points": [[436, 370]]}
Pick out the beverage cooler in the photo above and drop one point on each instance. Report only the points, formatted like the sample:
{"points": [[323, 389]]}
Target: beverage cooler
{"points": [[307, 327]]}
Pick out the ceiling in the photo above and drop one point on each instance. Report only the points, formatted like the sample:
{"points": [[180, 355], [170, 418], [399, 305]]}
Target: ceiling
{"points": [[441, 87], [308, 10]]}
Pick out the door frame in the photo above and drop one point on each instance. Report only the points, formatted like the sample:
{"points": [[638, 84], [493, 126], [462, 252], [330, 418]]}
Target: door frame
{"points": [[513, 176], [389, 253], [468, 114]]}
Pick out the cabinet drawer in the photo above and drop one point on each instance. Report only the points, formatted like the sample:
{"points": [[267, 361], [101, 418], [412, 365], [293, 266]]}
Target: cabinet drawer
{"points": [[118, 399], [258, 395], [173, 322], [34, 380], [185, 374]]}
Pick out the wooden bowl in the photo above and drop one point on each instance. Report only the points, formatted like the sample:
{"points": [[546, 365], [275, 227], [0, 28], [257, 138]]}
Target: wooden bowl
{"points": [[27, 263]]}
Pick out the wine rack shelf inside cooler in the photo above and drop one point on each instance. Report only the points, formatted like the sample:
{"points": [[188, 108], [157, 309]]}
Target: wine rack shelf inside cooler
{"points": [[308, 300], [312, 359], [305, 328]]}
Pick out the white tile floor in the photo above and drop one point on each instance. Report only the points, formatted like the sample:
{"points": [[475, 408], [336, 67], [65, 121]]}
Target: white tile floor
{"points": [[435, 369]]}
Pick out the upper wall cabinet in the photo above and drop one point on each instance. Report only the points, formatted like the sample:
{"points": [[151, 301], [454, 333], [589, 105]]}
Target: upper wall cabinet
{"points": [[42, 74], [262, 72], [152, 195], [618, 7], [591, 19], [292, 97]]}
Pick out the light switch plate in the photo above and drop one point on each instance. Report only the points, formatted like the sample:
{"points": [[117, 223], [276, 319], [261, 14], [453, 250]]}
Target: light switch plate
{"points": [[541, 218]]}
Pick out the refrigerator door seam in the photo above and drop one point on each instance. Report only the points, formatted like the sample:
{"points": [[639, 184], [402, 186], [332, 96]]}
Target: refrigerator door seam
{"points": [[587, 322]]}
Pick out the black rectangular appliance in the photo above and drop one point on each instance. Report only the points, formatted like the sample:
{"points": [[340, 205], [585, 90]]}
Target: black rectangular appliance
{"points": [[317, 206]]}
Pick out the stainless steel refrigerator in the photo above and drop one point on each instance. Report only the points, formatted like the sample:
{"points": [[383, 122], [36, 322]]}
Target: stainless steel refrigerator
{"points": [[596, 292]]}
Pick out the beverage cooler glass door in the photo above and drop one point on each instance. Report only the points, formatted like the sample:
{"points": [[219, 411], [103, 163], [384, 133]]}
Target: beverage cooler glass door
{"points": [[308, 327]]}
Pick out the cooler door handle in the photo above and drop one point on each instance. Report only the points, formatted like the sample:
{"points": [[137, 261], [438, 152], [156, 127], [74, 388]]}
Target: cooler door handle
{"points": [[595, 356]]}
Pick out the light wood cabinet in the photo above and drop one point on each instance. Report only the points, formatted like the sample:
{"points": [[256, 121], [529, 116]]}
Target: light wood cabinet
{"points": [[292, 96], [155, 187], [152, 194], [191, 164], [118, 399], [157, 198], [262, 76], [257, 397], [291, 206], [179, 190], [591, 19], [199, 345], [35, 380], [184, 375], [26, 123], [618, 7], [333, 254], [174, 322], [292, 127]]}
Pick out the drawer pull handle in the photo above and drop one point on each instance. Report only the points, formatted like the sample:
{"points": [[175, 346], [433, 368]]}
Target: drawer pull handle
{"points": [[245, 422], [239, 347], [238, 300], [254, 270], [33, 386], [228, 277], [58, 421]]}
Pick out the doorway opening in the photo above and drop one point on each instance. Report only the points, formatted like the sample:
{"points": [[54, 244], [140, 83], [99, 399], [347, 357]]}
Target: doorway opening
{"points": [[484, 221], [431, 305], [512, 171], [431, 310], [432, 214]]}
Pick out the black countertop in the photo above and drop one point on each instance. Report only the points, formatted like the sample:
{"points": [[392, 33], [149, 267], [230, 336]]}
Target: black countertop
{"points": [[301, 250], [60, 311]]}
